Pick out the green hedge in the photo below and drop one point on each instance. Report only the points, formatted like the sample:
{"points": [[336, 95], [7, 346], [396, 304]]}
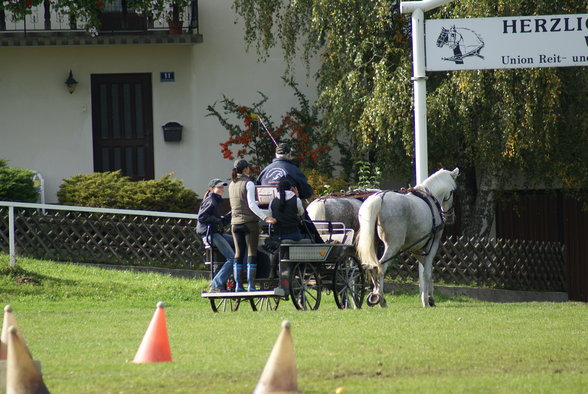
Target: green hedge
{"points": [[16, 184], [113, 190]]}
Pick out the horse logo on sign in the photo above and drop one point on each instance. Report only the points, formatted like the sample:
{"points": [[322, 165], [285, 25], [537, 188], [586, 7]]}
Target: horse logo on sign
{"points": [[463, 41]]}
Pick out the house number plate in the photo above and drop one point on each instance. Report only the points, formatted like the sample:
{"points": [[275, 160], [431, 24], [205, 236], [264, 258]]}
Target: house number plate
{"points": [[167, 76]]}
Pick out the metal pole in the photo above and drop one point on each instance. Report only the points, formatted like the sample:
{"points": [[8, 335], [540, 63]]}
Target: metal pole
{"points": [[418, 8], [406, 7], [11, 236], [420, 95]]}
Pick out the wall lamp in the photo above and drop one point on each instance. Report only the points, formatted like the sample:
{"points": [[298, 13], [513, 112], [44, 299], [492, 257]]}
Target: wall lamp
{"points": [[71, 83]]}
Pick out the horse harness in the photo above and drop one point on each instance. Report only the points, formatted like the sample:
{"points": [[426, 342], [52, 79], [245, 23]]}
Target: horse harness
{"points": [[361, 195], [436, 227]]}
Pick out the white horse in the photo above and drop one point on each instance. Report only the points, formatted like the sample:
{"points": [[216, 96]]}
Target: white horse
{"points": [[406, 222], [335, 209]]}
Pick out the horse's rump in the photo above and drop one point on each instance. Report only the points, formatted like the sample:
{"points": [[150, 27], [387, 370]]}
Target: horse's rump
{"points": [[337, 208]]}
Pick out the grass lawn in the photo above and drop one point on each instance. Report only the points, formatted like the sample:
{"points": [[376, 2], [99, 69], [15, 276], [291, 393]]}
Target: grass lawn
{"points": [[85, 325]]}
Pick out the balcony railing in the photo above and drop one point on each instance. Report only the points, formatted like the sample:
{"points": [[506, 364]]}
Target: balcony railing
{"points": [[117, 18]]}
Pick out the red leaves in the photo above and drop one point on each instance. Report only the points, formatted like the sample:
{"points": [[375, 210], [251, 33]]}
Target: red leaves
{"points": [[249, 139]]}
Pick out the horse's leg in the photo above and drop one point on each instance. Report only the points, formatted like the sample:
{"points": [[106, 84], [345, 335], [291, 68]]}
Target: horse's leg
{"points": [[426, 280], [383, 302], [431, 298], [429, 268], [373, 297]]}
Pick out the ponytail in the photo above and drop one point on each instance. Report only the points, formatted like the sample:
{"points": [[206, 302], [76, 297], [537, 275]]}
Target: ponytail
{"points": [[282, 187], [282, 205]]}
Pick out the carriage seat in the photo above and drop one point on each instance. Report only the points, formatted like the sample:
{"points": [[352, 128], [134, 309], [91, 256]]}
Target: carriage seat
{"points": [[334, 232], [301, 241], [265, 194]]}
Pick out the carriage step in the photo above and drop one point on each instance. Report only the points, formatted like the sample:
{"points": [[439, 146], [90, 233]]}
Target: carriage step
{"points": [[245, 294]]}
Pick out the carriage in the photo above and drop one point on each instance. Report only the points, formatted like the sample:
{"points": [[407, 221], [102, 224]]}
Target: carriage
{"points": [[299, 271], [409, 220]]}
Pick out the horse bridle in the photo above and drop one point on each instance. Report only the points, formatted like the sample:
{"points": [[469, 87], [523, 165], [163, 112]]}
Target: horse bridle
{"points": [[451, 211]]}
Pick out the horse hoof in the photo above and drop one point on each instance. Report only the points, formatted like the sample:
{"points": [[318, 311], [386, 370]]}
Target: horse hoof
{"points": [[431, 301], [373, 299]]}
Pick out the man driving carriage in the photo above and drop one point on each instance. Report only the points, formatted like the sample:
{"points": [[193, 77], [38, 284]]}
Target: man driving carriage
{"points": [[284, 168]]}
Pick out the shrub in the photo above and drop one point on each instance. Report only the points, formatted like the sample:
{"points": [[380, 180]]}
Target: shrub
{"points": [[113, 190], [16, 184], [323, 185]]}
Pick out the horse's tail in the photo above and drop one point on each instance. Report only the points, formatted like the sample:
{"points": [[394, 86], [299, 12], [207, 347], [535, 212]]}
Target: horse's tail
{"points": [[366, 247]]}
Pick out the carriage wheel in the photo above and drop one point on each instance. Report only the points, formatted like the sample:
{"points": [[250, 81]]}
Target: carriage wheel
{"points": [[225, 304], [348, 282], [305, 286], [265, 303]]}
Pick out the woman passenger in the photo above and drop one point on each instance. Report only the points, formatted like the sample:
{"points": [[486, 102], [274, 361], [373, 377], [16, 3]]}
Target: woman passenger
{"points": [[288, 210], [244, 223], [210, 228]]}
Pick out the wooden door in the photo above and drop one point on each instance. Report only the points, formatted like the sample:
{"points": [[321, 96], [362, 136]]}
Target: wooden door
{"points": [[122, 124]]}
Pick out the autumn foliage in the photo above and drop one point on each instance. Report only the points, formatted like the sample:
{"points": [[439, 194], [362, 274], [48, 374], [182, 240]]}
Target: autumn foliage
{"points": [[252, 133]]}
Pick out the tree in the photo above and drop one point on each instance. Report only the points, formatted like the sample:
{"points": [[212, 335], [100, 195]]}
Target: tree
{"points": [[493, 124]]}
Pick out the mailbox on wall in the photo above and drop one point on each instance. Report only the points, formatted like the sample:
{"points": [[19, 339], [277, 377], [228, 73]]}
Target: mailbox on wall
{"points": [[172, 131]]}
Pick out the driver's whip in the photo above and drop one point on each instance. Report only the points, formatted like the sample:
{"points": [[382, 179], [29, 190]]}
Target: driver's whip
{"points": [[254, 116]]}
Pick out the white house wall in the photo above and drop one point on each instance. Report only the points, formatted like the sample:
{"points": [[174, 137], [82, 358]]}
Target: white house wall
{"points": [[44, 128]]}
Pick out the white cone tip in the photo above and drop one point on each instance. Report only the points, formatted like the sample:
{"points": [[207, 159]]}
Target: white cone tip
{"points": [[286, 324], [160, 304], [8, 308]]}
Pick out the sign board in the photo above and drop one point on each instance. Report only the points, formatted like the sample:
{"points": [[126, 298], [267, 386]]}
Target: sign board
{"points": [[168, 76], [506, 42]]}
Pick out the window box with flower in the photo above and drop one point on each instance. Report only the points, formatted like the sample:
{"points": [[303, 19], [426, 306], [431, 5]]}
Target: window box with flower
{"points": [[19, 9], [147, 18], [86, 12]]}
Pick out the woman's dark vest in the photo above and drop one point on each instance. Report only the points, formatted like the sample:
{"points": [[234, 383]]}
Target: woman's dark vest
{"points": [[288, 218]]}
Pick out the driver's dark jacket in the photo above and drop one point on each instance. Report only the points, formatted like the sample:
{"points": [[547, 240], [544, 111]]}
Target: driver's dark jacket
{"points": [[282, 168]]}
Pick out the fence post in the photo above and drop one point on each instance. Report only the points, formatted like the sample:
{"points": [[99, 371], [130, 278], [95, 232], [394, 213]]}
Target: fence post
{"points": [[11, 241]]}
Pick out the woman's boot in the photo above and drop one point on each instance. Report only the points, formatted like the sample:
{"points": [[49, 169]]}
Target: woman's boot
{"points": [[239, 274], [251, 271]]}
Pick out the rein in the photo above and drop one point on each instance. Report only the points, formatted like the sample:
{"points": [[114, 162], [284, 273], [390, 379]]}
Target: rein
{"points": [[358, 194], [426, 197]]}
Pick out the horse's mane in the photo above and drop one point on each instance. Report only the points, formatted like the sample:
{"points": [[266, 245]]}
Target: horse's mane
{"points": [[438, 183]]}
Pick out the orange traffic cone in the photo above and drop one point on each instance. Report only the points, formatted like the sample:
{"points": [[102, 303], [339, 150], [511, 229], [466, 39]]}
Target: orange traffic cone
{"points": [[22, 376], [9, 320], [155, 345], [279, 374]]}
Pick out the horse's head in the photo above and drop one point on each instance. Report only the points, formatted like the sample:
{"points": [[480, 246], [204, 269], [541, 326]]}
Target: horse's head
{"points": [[442, 185], [443, 37], [446, 199]]}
